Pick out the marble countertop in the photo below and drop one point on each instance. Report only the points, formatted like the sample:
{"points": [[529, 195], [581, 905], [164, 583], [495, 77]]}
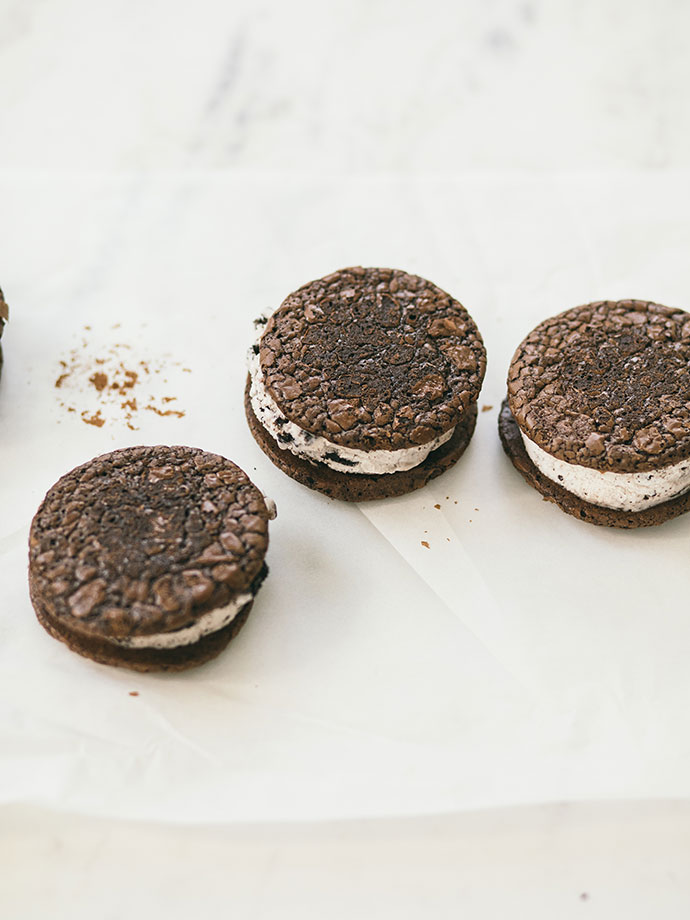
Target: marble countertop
{"points": [[355, 86]]}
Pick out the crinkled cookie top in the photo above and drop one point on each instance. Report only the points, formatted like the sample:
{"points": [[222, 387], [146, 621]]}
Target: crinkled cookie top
{"points": [[373, 358], [607, 386], [145, 540]]}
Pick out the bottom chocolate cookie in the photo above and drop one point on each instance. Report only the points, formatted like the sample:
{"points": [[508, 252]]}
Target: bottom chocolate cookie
{"points": [[358, 487], [175, 659], [513, 445]]}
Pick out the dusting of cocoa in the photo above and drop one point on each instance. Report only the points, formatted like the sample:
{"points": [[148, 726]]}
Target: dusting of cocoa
{"points": [[106, 382]]}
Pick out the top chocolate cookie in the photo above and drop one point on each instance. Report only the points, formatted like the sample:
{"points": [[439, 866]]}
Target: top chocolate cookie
{"points": [[372, 358], [607, 386], [4, 311]]}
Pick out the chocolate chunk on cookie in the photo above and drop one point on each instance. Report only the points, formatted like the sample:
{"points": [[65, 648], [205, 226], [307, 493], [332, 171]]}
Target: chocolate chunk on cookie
{"points": [[363, 384], [598, 408], [149, 557]]}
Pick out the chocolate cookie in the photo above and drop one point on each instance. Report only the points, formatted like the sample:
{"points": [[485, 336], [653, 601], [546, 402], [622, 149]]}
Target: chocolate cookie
{"points": [[149, 557], [598, 412], [4, 316], [364, 384]]}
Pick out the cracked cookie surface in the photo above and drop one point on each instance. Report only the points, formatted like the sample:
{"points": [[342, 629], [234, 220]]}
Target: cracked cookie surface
{"points": [[373, 359], [606, 386]]}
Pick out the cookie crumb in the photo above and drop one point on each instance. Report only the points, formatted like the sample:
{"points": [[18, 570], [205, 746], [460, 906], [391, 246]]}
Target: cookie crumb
{"points": [[438, 507], [96, 419], [134, 693], [487, 408], [165, 412], [424, 543], [99, 380], [108, 377]]}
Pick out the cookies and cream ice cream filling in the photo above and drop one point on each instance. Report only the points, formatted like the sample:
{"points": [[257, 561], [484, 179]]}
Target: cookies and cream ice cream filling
{"points": [[209, 623], [619, 491], [316, 449]]}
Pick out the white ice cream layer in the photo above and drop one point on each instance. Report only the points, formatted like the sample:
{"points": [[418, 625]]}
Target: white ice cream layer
{"points": [[316, 449], [209, 623], [620, 491]]}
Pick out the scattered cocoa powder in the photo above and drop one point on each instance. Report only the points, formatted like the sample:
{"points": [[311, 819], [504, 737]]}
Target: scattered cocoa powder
{"points": [[105, 379]]}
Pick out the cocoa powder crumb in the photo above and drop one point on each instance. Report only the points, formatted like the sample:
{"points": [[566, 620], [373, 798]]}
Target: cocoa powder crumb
{"points": [[96, 419], [99, 380], [424, 543], [134, 693], [438, 507], [107, 377], [487, 408], [163, 412]]}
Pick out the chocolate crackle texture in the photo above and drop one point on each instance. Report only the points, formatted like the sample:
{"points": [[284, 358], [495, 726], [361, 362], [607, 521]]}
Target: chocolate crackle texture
{"points": [[144, 541], [607, 386], [373, 358]]}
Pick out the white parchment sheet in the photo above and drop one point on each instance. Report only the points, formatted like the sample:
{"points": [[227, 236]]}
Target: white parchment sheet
{"points": [[521, 657]]}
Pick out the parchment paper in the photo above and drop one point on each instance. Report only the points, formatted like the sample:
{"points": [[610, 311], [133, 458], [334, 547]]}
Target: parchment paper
{"points": [[522, 657]]}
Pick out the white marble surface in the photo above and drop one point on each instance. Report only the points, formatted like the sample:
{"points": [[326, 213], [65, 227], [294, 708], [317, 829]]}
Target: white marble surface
{"points": [[344, 85], [571, 862], [526, 156]]}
